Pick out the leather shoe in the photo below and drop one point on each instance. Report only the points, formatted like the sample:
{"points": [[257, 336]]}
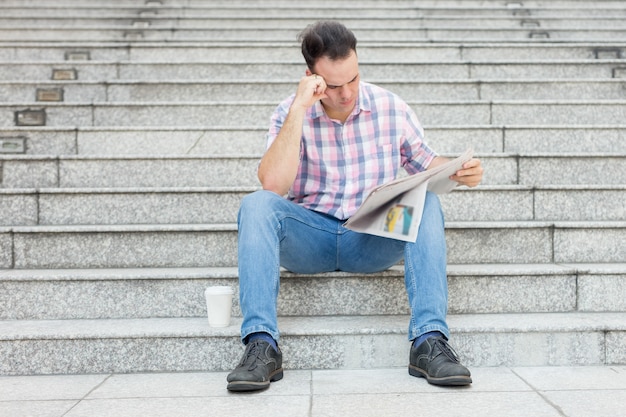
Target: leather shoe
{"points": [[435, 360], [259, 366]]}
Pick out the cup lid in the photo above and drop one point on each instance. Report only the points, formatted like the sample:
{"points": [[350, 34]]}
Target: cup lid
{"points": [[219, 290]]}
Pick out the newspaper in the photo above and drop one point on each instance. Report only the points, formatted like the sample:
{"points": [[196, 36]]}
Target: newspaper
{"points": [[394, 209]]}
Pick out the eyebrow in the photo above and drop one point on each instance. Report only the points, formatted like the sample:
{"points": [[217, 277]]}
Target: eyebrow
{"points": [[337, 86]]}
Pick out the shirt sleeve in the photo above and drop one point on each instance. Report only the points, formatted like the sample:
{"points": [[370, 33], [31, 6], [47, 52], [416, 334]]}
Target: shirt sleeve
{"points": [[277, 120], [416, 154]]}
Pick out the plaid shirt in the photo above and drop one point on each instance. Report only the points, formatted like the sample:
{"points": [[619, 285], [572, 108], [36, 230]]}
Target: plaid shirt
{"points": [[340, 164]]}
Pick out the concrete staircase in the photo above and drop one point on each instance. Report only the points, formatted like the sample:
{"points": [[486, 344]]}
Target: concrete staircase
{"points": [[130, 129]]}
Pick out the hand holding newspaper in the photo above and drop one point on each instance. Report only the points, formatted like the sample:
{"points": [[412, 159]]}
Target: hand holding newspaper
{"points": [[395, 209]]}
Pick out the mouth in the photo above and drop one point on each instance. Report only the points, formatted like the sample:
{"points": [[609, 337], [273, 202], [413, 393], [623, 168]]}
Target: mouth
{"points": [[346, 103]]}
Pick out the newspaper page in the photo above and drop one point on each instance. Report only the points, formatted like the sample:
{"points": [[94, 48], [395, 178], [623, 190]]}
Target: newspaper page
{"points": [[394, 209]]}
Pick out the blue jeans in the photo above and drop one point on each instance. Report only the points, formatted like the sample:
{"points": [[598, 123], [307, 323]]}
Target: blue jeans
{"points": [[275, 232]]}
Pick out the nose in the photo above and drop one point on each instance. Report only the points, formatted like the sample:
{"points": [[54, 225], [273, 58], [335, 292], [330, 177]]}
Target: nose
{"points": [[345, 92]]}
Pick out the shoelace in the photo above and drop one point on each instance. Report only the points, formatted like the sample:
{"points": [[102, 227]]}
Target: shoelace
{"points": [[446, 349], [254, 352]]}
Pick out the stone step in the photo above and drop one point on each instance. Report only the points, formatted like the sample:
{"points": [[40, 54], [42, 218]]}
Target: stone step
{"points": [[249, 113], [321, 10], [25, 171], [248, 21], [29, 207], [451, 34], [179, 292], [194, 245], [217, 140], [127, 319], [92, 71], [288, 51], [189, 91], [189, 344], [117, 206]]}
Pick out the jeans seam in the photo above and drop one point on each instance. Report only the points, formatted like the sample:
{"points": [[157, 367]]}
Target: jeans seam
{"points": [[409, 270], [338, 245]]}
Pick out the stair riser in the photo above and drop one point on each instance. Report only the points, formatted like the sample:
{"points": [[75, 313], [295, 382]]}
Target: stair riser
{"points": [[104, 34], [210, 141], [216, 141], [204, 141], [212, 248], [134, 249], [244, 53], [190, 92], [491, 21], [532, 349], [242, 172], [536, 171], [306, 296], [161, 207], [395, 10], [140, 209], [290, 72], [251, 114], [228, 172], [578, 140], [536, 245], [304, 352]]}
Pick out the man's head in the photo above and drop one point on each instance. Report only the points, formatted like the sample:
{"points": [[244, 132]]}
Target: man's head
{"points": [[329, 49], [326, 39]]}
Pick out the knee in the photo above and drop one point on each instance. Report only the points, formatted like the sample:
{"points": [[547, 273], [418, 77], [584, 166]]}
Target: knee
{"points": [[257, 203], [260, 197]]}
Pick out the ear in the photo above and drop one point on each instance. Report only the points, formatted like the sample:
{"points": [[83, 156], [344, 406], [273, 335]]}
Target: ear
{"points": [[308, 72]]}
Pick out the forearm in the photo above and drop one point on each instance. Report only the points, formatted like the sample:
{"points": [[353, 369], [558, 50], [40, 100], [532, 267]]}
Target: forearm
{"points": [[438, 160], [279, 165]]}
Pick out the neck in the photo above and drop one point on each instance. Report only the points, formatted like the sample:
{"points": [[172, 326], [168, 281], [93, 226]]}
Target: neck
{"points": [[335, 115]]}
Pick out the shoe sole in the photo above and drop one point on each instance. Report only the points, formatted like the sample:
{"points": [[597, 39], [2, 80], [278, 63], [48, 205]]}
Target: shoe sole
{"points": [[455, 380], [243, 386]]}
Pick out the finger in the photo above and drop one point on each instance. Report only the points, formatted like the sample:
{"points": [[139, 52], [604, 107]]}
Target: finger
{"points": [[467, 181], [318, 82], [310, 89], [470, 170], [472, 163], [465, 173]]}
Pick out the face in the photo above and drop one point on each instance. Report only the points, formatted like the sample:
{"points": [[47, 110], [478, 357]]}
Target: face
{"points": [[342, 84]]}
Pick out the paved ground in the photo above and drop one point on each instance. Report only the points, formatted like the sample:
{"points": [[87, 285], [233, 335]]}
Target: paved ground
{"points": [[520, 391]]}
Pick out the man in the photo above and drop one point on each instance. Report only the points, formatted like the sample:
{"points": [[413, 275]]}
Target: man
{"points": [[329, 145]]}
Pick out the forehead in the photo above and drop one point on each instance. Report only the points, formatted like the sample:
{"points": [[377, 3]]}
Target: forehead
{"points": [[338, 72]]}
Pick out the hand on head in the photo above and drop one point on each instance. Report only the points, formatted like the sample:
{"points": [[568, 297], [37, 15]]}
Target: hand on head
{"points": [[312, 88]]}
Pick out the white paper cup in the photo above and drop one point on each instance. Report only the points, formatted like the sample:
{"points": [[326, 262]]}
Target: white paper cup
{"points": [[219, 301]]}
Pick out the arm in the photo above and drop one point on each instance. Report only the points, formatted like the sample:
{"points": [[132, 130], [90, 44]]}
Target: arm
{"points": [[470, 175], [416, 151], [279, 166]]}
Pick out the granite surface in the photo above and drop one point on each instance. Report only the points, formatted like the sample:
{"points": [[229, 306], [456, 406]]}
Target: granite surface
{"points": [[178, 292], [339, 342], [172, 103], [519, 391], [139, 206], [209, 141], [122, 249]]}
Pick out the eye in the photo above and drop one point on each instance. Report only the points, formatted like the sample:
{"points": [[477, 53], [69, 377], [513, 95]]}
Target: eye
{"points": [[332, 87]]}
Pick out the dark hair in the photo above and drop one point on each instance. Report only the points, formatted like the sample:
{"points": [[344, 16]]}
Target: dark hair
{"points": [[326, 38]]}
